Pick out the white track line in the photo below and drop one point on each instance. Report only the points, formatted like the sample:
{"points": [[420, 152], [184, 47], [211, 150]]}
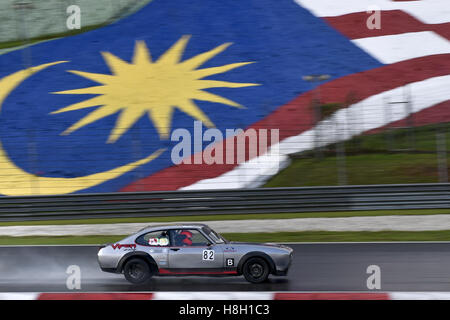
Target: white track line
{"points": [[18, 296], [419, 295], [213, 296], [255, 296]]}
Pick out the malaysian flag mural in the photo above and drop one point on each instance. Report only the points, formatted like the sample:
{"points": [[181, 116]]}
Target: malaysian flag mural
{"points": [[154, 101]]}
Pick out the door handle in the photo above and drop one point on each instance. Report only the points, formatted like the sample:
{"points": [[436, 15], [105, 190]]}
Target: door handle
{"points": [[174, 249]]}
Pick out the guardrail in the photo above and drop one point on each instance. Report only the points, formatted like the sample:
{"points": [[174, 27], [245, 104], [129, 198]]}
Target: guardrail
{"points": [[185, 203]]}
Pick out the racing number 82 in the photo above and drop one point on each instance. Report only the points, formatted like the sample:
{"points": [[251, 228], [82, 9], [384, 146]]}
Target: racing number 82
{"points": [[208, 254]]}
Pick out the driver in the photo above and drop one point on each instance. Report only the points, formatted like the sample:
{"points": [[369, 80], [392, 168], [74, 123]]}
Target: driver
{"points": [[186, 238]]}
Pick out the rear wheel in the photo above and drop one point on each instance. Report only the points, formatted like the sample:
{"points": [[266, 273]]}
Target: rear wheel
{"points": [[256, 270], [137, 271]]}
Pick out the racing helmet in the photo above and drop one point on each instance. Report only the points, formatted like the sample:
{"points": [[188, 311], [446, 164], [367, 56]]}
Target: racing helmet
{"points": [[188, 237]]}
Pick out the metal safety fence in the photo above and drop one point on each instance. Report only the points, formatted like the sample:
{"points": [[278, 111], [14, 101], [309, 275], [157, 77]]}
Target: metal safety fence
{"points": [[242, 201]]}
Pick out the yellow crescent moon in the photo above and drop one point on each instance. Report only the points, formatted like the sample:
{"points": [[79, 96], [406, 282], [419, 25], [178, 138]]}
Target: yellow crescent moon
{"points": [[19, 182]]}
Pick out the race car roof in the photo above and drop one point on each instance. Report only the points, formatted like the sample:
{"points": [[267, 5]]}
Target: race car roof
{"points": [[174, 226]]}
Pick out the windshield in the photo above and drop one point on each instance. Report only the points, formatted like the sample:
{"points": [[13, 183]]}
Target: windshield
{"points": [[214, 235]]}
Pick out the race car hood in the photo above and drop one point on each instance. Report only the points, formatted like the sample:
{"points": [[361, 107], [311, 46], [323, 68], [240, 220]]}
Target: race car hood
{"points": [[275, 245]]}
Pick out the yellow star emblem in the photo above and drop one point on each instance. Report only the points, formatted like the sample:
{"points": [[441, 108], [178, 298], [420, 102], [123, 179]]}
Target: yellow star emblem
{"points": [[153, 88]]}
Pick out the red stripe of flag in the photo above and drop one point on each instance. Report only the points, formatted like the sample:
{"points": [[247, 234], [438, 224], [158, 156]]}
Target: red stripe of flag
{"points": [[353, 25]]}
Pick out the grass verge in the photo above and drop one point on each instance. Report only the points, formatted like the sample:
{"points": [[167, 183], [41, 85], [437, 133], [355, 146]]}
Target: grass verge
{"points": [[307, 236], [233, 217], [388, 168]]}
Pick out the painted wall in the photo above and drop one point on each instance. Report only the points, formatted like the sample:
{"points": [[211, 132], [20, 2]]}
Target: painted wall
{"points": [[49, 16]]}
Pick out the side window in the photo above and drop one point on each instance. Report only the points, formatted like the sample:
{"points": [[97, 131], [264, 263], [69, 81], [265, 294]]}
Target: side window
{"points": [[154, 239], [188, 237]]}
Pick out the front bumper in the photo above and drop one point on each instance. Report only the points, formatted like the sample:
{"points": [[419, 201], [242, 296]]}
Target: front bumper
{"points": [[283, 272]]}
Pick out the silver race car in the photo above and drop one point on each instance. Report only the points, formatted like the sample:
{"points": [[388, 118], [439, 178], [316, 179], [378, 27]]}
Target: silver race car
{"points": [[191, 249]]}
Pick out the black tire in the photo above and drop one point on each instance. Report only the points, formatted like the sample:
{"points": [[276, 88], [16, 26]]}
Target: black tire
{"points": [[256, 270], [137, 271]]}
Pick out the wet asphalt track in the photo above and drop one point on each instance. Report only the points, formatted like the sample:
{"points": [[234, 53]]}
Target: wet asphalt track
{"points": [[316, 267]]}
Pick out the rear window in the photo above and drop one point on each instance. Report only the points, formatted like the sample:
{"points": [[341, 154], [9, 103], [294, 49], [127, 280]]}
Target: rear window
{"points": [[154, 239]]}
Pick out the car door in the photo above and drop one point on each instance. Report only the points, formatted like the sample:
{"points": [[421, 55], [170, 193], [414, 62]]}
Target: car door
{"points": [[156, 244], [194, 254]]}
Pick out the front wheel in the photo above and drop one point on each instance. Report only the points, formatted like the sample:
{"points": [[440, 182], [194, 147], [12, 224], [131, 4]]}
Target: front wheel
{"points": [[256, 270], [137, 271]]}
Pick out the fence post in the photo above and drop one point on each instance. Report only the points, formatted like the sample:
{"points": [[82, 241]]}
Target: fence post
{"points": [[33, 160], [341, 163], [137, 151], [316, 104], [21, 30], [410, 123], [441, 152], [387, 119], [317, 132]]}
